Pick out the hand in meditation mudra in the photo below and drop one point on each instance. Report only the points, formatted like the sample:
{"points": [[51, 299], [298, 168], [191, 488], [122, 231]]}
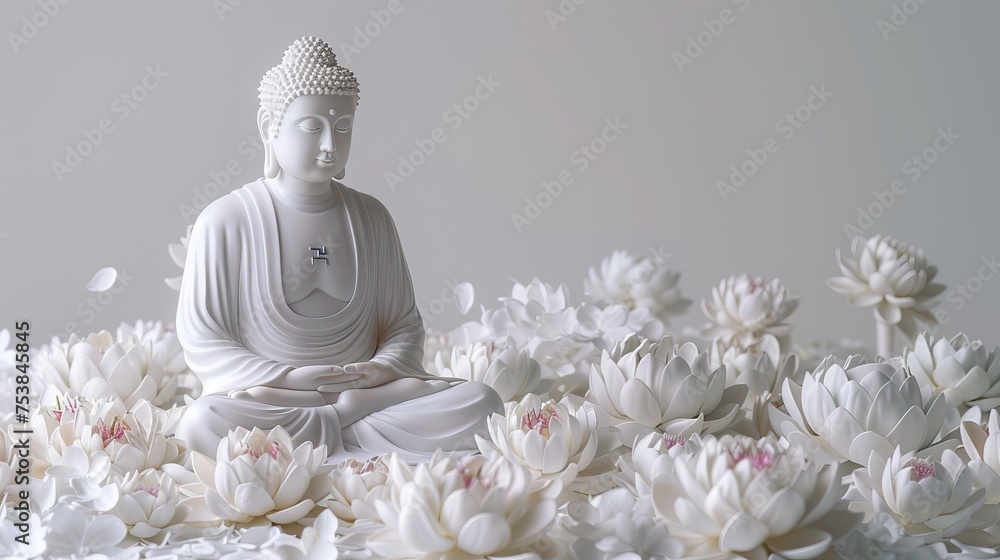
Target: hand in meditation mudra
{"points": [[296, 307]]}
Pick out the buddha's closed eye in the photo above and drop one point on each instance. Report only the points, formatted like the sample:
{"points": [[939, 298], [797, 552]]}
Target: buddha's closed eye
{"points": [[310, 125], [344, 123]]}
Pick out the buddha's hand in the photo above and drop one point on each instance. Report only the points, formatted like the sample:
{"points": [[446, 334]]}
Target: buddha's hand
{"points": [[367, 374], [312, 377], [280, 397]]}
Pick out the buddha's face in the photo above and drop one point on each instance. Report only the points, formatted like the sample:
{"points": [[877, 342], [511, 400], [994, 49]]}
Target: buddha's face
{"points": [[314, 140]]}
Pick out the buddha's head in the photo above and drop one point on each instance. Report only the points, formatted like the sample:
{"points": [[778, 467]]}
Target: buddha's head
{"points": [[306, 116]]}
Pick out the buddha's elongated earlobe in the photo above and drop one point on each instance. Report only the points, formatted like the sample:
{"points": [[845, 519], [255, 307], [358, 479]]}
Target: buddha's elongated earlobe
{"points": [[341, 175], [264, 128]]}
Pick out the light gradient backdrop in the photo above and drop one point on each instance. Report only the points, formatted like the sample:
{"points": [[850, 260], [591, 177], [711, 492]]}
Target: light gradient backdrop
{"points": [[697, 84]]}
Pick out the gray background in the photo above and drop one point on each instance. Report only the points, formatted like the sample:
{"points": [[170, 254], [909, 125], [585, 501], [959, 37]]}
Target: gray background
{"points": [[654, 187]]}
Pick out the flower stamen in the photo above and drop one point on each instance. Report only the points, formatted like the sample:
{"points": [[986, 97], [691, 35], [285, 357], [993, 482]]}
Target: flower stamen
{"points": [[114, 432], [152, 490], [669, 441], [539, 420], [920, 469]]}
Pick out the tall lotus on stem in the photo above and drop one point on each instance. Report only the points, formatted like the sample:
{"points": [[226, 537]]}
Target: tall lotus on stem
{"points": [[893, 279]]}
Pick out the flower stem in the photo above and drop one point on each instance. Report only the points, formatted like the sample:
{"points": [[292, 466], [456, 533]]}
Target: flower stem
{"points": [[883, 339]]}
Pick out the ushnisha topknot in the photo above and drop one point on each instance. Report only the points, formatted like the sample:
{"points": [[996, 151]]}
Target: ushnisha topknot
{"points": [[309, 67]]}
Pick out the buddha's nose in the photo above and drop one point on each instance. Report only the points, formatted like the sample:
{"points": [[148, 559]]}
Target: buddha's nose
{"points": [[327, 143]]}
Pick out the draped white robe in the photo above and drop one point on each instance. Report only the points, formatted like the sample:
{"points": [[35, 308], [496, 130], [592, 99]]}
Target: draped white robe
{"points": [[238, 331]]}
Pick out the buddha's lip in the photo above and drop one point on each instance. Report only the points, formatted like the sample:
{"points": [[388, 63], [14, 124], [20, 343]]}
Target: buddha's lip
{"points": [[326, 160]]}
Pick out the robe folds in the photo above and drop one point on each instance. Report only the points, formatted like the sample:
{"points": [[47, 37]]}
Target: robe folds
{"points": [[238, 332]]}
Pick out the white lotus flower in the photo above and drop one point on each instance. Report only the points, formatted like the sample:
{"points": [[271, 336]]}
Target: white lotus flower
{"points": [[930, 500], [982, 444], [149, 504], [658, 387], [259, 474], [81, 478], [355, 485], [636, 282], [551, 439], [605, 326], [58, 423], [135, 438], [178, 254], [462, 507], [512, 374], [760, 367], [892, 278], [166, 344], [72, 532], [608, 527], [745, 308], [652, 458], [100, 367], [740, 497], [959, 369], [851, 410]]}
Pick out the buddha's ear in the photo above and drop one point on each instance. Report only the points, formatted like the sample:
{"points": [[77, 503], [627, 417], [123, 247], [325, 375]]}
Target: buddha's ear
{"points": [[264, 124], [264, 128], [341, 174]]}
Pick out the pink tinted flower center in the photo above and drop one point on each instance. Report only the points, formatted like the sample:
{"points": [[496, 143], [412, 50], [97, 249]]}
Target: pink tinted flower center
{"points": [[152, 490], [472, 476], [272, 450], [69, 405], [539, 420], [369, 466], [920, 469], [760, 459], [114, 432], [669, 441]]}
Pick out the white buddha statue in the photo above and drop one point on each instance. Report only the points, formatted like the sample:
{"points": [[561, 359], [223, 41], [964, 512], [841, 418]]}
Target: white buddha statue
{"points": [[296, 307]]}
